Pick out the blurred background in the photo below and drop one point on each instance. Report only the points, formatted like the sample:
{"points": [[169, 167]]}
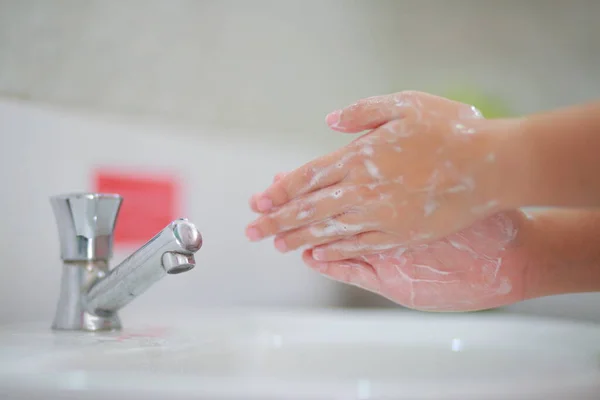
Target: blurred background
{"points": [[211, 98]]}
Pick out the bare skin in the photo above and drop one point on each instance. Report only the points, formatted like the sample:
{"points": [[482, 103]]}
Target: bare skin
{"points": [[557, 160], [418, 209], [469, 270], [553, 253], [419, 175], [506, 258]]}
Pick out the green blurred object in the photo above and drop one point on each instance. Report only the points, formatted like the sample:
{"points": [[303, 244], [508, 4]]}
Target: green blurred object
{"points": [[489, 105]]}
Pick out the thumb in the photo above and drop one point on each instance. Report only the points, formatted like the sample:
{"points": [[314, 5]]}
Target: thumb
{"points": [[369, 113]]}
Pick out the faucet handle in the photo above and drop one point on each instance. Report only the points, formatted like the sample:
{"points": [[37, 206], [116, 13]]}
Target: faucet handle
{"points": [[86, 223]]}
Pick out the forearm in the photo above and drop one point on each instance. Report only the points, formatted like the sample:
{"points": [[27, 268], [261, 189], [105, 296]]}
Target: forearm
{"points": [[563, 252], [560, 158]]}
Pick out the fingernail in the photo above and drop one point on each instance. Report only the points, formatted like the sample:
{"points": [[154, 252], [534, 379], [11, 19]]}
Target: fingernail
{"points": [[333, 118], [264, 204], [280, 245], [318, 254], [253, 234]]}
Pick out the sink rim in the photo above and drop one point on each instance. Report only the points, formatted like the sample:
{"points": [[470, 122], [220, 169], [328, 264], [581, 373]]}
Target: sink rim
{"points": [[336, 318]]}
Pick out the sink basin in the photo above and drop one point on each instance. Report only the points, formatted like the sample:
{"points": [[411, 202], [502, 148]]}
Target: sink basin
{"points": [[329, 354]]}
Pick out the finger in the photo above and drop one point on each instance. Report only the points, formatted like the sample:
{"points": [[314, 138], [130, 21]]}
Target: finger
{"points": [[371, 113], [278, 176], [317, 174], [330, 230], [352, 272], [252, 203], [356, 246], [313, 207], [253, 199]]}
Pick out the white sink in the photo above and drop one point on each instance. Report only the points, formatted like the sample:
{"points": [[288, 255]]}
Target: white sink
{"points": [[307, 355]]}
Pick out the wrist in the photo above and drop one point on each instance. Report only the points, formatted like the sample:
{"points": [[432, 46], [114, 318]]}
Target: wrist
{"points": [[509, 169], [562, 252], [558, 158]]}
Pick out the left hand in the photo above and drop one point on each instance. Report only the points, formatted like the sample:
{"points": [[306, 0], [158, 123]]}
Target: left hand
{"points": [[426, 170], [484, 266]]}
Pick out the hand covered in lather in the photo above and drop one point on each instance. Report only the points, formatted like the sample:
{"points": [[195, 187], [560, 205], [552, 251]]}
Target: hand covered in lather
{"points": [[478, 268], [424, 170]]}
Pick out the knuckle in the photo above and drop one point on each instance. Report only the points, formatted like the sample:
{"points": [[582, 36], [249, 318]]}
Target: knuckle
{"points": [[282, 222], [408, 94], [403, 128], [368, 192], [273, 223], [358, 242], [333, 228], [337, 254], [307, 174], [311, 177], [291, 241], [277, 192], [356, 106], [338, 193], [304, 210], [341, 248], [364, 104], [299, 238], [349, 158], [291, 184], [370, 101], [404, 97]]}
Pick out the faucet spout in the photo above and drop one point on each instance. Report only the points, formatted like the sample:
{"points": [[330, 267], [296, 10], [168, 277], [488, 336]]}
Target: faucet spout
{"points": [[170, 252], [91, 293]]}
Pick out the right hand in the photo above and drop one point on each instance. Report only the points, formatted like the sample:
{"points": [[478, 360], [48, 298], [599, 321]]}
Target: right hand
{"points": [[429, 167]]}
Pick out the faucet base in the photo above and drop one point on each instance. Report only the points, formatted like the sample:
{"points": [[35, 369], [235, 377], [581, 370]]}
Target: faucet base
{"points": [[87, 322], [71, 313]]}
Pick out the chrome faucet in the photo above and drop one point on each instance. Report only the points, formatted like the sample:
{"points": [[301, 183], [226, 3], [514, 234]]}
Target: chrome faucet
{"points": [[91, 293]]}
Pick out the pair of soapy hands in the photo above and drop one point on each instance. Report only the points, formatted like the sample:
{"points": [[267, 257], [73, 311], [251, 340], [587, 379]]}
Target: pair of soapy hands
{"points": [[408, 210]]}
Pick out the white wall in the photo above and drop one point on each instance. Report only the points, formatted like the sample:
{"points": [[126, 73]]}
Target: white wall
{"points": [[276, 66]]}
